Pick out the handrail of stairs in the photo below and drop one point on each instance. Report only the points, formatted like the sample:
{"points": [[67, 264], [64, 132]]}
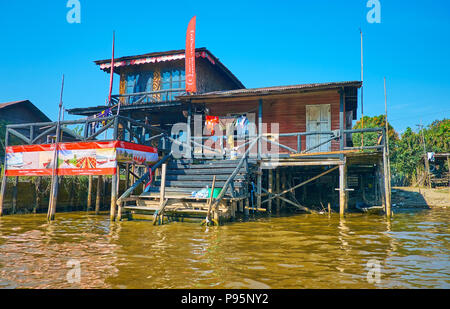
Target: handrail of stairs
{"points": [[130, 190], [233, 175]]}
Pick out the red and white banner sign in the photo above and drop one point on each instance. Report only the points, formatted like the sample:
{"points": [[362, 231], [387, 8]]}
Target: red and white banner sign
{"points": [[88, 158], [191, 78]]}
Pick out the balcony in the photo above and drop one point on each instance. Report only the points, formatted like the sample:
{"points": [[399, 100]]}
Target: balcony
{"points": [[159, 96]]}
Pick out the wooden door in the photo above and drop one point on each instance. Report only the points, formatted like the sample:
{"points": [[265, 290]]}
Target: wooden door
{"points": [[318, 119]]}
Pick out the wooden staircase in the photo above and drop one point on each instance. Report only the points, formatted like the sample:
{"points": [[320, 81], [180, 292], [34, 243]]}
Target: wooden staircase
{"points": [[185, 177]]}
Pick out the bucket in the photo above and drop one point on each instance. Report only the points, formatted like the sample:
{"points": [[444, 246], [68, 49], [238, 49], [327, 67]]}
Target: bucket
{"points": [[215, 194]]}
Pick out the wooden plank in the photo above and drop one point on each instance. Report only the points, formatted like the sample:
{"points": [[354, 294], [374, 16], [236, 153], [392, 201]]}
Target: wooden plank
{"points": [[297, 155]]}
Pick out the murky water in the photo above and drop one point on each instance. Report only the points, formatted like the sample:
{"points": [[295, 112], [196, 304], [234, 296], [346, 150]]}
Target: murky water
{"points": [[304, 251]]}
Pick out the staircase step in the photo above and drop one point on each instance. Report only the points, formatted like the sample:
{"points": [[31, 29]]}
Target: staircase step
{"points": [[199, 177], [205, 171], [215, 164], [195, 184]]}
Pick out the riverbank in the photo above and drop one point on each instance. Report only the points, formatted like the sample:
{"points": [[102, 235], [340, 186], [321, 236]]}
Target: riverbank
{"points": [[413, 197]]}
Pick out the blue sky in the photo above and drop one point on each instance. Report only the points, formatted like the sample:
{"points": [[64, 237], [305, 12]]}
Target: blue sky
{"points": [[265, 43]]}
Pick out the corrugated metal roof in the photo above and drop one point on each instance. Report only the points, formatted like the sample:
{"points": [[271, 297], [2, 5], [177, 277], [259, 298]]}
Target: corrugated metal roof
{"points": [[272, 90]]}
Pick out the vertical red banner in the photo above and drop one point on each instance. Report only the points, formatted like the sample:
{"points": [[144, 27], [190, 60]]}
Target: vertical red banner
{"points": [[191, 78]]}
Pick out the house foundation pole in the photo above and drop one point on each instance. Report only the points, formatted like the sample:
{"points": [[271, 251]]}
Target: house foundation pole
{"points": [[4, 178], [278, 188], [114, 195], [37, 196], [283, 187], [387, 188], [258, 187], [99, 194], [89, 197], [342, 188], [14, 195], [270, 189]]}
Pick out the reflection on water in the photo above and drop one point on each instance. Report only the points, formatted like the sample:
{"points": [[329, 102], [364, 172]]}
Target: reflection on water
{"points": [[304, 251]]}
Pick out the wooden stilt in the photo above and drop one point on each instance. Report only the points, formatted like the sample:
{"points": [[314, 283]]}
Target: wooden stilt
{"points": [[259, 186], [37, 195], [247, 207], [159, 214], [387, 187], [99, 194], [283, 187], [448, 165], [114, 195], [2, 191], [4, 178], [381, 184], [278, 188], [342, 189], [14, 195], [89, 197], [233, 209], [270, 188], [53, 198]]}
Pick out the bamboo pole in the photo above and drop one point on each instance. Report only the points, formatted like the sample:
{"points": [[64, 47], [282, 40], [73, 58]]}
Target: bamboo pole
{"points": [[99, 194], [54, 188], [388, 161], [386, 185]]}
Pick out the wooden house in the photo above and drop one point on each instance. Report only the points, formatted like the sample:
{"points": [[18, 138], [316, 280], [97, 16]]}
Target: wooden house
{"points": [[264, 149]]}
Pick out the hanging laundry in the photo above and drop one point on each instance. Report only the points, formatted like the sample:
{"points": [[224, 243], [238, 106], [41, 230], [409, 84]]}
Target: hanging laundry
{"points": [[211, 122], [430, 156], [104, 114], [242, 126]]}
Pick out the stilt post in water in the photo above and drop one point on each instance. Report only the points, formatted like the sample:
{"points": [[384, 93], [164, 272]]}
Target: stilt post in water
{"points": [[113, 195], [54, 188], [99, 194], [14, 195], [342, 188], [89, 197]]}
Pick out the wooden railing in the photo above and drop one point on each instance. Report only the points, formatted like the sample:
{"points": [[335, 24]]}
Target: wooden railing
{"points": [[159, 96], [199, 148]]}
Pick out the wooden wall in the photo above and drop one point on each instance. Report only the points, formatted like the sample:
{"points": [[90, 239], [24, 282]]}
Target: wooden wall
{"points": [[289, 112]]}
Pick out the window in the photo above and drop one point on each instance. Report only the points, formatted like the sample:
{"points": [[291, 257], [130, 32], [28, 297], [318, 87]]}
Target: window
{"points": [[172, 79], [139, 82]]}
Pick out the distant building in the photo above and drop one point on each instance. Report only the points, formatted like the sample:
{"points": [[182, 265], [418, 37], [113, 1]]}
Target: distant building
{"points": [[19, 112]]}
